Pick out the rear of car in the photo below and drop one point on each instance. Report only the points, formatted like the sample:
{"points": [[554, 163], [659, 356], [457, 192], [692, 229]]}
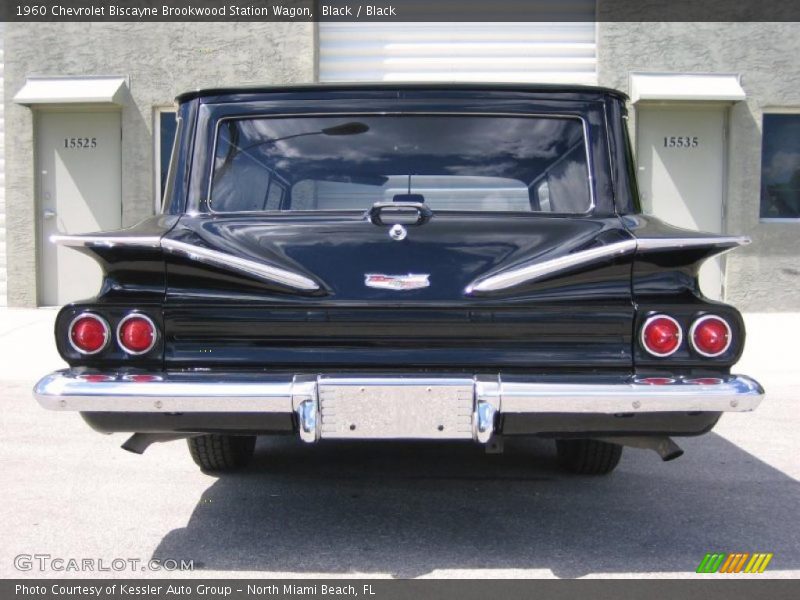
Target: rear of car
{"points": [[425, 262]]}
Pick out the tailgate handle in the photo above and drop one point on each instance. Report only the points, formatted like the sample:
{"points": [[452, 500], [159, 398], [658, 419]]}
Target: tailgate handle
{"points": [[403, 213]]}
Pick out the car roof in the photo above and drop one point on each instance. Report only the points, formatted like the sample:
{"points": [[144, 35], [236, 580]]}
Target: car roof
{"points": [[540, 88]]}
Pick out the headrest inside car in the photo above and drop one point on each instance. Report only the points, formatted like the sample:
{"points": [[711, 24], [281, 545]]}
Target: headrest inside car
{"points": [[409, 198]]}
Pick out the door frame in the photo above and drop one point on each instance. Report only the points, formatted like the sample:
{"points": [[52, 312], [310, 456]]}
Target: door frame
{"points": [[676, 105], [39, 238]]}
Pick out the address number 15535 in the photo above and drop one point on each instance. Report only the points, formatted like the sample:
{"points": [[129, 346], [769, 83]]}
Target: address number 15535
{"points": [[681, 141]]}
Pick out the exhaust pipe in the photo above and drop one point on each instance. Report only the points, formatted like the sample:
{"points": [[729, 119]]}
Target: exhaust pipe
{"points": [[664, 446], [139, 442]]}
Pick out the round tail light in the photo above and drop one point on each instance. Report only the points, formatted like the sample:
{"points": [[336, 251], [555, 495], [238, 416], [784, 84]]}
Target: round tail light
{"points": [[88, 333], [136, 334], [710, 336], [661, 335]]}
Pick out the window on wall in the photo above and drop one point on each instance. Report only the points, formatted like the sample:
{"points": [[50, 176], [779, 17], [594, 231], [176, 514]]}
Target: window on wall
{"points": [[164, 137], [780, 167]]}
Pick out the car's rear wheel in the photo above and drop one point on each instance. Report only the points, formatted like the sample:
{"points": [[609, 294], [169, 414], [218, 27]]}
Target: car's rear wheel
{"points": [[588, 457], [218, 453]]}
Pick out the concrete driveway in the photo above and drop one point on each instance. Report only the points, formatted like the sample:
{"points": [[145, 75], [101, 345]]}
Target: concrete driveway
{"points": [[383, 510]]}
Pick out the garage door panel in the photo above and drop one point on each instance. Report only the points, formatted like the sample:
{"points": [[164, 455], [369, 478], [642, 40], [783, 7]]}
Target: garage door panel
{"points": [[518, 52]]}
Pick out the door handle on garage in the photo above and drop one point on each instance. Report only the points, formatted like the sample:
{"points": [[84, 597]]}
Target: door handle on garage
{"points": [[49, 213]]}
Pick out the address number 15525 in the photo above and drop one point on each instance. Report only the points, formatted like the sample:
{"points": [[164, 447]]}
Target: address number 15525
{"points": [[80, 142]]}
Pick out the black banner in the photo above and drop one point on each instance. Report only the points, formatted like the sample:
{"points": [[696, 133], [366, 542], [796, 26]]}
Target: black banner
{"points": [[397, 589], [399, 10]]}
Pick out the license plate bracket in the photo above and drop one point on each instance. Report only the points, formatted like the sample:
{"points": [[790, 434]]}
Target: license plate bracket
{"points": [[360, 409]]}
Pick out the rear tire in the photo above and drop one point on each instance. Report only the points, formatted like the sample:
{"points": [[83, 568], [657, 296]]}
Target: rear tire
{"points": [[220, 453], [588, 457]]}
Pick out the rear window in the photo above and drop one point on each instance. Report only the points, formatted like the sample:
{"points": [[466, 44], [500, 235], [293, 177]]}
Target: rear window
{"points": [[458, 163]]}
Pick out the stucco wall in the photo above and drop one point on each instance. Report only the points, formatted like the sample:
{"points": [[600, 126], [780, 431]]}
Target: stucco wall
{"points": [[766, 275], [2, 178], [161, 60]]}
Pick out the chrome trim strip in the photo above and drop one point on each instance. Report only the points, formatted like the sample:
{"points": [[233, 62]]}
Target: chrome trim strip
{"points": [[513, 277], [650, 244], [224, 260], [516, 276], [223, 392], [107, 241], [198, 253]]}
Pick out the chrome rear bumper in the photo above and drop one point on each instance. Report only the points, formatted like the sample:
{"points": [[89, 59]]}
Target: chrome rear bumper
{"points": [[392, 406]]}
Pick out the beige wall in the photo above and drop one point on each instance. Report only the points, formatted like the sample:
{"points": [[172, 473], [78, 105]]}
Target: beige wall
{"points": [[764, 276], [161, 60]]}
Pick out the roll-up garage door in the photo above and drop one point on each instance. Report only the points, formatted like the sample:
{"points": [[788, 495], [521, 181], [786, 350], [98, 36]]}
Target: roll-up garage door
{"points": [[513, 52]]}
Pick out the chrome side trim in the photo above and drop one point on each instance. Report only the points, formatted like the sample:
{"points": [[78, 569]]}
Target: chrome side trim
{"points": [[106, 241], [198, 253], [513, 277], [650, 244], [516, 276], [227, 392], [224, 260]]}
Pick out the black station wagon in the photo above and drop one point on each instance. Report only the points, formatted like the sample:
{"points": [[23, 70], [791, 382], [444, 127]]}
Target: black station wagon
{"points": [[439, 262]]}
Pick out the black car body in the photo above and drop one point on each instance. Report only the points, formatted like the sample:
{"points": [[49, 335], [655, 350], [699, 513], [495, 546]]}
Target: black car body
{"points": [[402, 262]]}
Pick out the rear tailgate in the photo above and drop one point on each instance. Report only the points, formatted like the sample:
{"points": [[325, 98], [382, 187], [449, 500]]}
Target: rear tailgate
{"points": [[578, 318]]}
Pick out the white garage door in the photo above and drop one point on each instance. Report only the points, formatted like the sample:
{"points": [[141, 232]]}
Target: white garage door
{"points": [[513, 52]]}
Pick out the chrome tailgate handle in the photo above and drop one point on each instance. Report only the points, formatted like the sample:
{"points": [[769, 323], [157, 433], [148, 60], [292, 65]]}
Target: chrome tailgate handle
{"points": [[402, 213]]}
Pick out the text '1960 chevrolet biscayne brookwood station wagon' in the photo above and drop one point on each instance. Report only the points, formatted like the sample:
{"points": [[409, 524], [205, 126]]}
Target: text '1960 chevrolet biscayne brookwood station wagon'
{"points": [[438, 262]]}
